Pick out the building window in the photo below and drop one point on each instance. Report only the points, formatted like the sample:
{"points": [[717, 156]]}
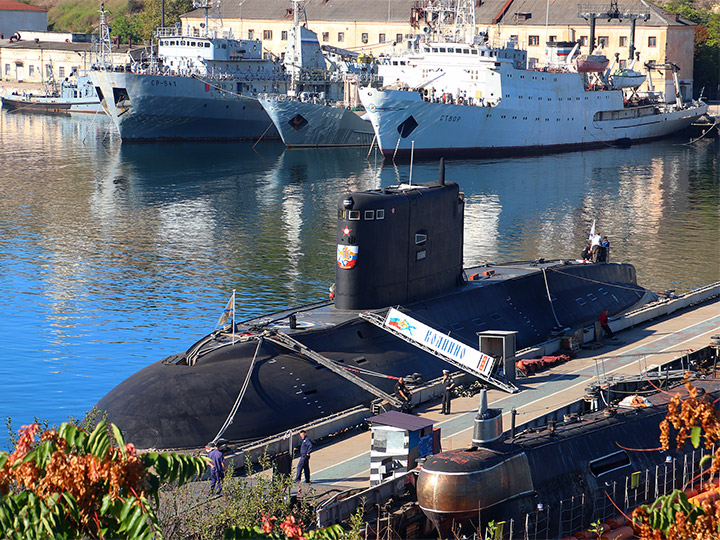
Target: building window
{"points": [[652, 41], [341, 37], [603, 41], [283, 35], [7, 69], [31, 71], [61, 72], [381, 38], [48, 70], [553, 39], [514, 38], [533, 40], [267, 35], [251, 34], [583, 41], [364, 37], [326, 36], [398, 38], [623, 41]]}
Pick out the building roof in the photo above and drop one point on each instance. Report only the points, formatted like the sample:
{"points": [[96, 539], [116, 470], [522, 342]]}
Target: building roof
{"points": [[489, 12], [58, 46], [12, 5], [401, 420], [565, 13], [389, 11]]}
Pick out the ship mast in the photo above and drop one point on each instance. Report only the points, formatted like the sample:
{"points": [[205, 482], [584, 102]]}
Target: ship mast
{"points": [[106, 57]]}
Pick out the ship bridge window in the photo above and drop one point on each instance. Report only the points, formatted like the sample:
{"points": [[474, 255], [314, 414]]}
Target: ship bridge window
{"points": [[466, 51], [450, 49], [207, 44], [478, 322], [369, 214], [609, 463], [581, 301], [192, 43], [473, 51], [353, 215], [602, 291], [592, 297], [182, 42], [360, 360], [442, 49], [380, 214], [420, 239], [420, 255], [434, 49]]}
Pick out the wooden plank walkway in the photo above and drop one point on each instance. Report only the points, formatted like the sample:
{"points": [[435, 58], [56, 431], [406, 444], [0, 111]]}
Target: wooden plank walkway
{"points": [[345, 463]]}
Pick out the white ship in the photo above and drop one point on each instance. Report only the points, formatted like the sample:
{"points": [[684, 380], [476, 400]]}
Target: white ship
{"points": [[202, 86], [472, 103]]}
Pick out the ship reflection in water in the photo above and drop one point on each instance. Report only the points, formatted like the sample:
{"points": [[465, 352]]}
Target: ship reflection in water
{"points": [[116, 256]]}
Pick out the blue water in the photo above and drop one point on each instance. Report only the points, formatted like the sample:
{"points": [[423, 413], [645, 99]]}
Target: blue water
{"points": [[113, 256]]}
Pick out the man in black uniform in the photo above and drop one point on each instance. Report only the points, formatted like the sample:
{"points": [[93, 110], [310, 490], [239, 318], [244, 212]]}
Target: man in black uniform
{"points": [[404, 394], [303, 465], [448, 384]]}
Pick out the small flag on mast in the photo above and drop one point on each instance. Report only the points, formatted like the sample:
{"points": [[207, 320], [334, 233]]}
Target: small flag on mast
{"points": [[228, 313], [592, 230]]}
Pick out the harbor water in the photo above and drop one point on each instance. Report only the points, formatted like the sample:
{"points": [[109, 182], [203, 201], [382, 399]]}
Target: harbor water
{"points": [[113, 256]]}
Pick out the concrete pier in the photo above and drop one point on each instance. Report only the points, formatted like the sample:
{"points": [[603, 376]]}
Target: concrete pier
{"points": [[344, 462]]}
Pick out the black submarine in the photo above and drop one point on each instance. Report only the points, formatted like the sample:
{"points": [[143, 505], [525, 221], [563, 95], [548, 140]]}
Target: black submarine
{"points": [[567, 469], [398, 246]]}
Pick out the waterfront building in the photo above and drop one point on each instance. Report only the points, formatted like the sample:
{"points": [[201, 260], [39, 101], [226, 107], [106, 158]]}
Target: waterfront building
{"points": [[16, 16], [42, 56]]}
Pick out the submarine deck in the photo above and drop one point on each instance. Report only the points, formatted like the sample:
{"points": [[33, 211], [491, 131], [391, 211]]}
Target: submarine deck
{"points": [[345, 463], [323, 314]]}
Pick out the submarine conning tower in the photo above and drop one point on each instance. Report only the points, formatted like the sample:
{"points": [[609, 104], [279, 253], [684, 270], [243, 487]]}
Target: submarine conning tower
{"points": [[488, 426], [398, 244]]}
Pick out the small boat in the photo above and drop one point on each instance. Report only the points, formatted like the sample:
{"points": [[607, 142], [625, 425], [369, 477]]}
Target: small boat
{"points": [[75, 95], [592, 63], [626, 78]]}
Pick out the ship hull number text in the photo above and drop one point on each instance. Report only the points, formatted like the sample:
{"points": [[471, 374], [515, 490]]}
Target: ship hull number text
{"points": [[450, 118]]}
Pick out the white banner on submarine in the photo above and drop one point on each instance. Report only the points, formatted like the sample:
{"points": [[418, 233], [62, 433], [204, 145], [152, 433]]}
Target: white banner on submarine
{"points": [[445, 345]]}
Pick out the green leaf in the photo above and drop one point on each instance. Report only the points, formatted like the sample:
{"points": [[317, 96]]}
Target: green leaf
{"points": [[705, 459], [119, 439], [99, 442], [3, 459], [695, 436]]}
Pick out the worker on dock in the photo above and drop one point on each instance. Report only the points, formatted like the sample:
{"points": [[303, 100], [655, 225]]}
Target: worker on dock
{"points": [[605, 326], [403, 393], [303, 465], [217, 467], [448, 384]]}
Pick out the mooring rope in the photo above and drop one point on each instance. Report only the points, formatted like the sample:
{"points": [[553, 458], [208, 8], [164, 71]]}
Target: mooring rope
{"points": [[236, 406]]}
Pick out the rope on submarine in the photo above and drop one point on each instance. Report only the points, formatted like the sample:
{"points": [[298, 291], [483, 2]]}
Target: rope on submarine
{"points": [[231, 417]]}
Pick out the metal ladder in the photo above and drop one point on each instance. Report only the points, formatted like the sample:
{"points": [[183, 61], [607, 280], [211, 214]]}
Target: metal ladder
{"points": [[284, 340], [379, 320]]}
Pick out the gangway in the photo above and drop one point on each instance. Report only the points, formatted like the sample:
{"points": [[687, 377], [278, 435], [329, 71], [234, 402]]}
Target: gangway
{"points": [[485, 363], [287, 342]]}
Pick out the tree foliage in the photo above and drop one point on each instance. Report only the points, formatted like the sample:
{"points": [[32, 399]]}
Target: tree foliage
{"points": [[79, 484], [674, 516], [707, 41]]}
